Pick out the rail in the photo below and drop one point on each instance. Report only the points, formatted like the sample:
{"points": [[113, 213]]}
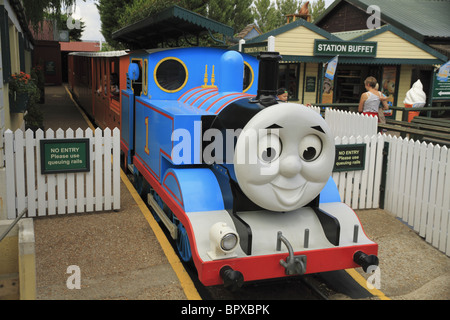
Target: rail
{"points": [[11, 226], [405, 111]]}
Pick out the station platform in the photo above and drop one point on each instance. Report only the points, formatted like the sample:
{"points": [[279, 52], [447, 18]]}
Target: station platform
{"points": [[125, 255]]}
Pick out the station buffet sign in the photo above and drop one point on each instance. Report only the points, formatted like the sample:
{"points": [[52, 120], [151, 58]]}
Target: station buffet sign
{"points": [[345, 48], [65, 155]]}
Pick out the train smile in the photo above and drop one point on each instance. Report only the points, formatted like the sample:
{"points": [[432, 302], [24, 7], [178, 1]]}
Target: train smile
{"points": [[289, 196]]}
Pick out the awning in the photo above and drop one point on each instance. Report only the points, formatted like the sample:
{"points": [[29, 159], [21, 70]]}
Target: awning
{"points": [[169, 25], [356, 60]]}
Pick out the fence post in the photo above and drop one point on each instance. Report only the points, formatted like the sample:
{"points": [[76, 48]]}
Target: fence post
{"points": [[384, 174]]}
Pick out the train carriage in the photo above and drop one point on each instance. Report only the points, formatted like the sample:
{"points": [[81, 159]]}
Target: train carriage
{"points": [[95, 79], [242, 182]]}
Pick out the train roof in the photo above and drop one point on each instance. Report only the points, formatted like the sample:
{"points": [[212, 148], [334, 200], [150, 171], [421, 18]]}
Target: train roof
{"points": [[100, 54]]}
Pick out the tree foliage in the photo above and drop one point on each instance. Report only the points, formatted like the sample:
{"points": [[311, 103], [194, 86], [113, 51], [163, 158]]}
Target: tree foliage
{"points": [[267, 14], [318, 7], [110, 13], [61, 23], [35, 10]]}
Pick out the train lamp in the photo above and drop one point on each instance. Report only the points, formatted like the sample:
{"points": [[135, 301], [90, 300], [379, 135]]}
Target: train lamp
{"points": [[223, 241]]}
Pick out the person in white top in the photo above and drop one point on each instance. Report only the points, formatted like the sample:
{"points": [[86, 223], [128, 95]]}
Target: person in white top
{"points": [[370, 100]]}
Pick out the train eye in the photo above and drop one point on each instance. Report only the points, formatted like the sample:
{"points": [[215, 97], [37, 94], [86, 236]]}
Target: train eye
{"points": [[310, 148], [269, 148]]}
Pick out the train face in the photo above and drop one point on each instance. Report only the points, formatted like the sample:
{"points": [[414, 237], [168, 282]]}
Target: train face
{"points": [[244, 187]]}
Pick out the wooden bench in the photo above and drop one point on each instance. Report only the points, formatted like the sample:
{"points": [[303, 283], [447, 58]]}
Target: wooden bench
{"points": [[439, 123], [425, 125], [417, 134]]}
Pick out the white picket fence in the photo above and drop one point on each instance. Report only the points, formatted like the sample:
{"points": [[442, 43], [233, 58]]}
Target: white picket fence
{"points": [[344, 123], [417, 177], [61, 193], [361, 189], [418, 188]]}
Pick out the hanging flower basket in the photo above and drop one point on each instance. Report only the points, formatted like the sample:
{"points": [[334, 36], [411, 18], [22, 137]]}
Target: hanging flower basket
{"points": [[22, 92], [18, 101]]}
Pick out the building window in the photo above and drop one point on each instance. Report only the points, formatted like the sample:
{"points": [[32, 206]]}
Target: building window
{"points": [[288, 77]]}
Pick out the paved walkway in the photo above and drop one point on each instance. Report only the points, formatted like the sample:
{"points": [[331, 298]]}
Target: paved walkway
{"points": [[122, 255], [118, 253]]}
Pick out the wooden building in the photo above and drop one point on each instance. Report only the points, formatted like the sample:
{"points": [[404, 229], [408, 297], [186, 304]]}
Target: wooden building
{"points": [[392, 55]]}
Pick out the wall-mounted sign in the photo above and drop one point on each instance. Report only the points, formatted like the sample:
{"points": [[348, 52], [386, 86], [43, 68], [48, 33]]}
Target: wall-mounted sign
{"points": [[254, 48], [64, 155], [50, 67], [350, 157], [345, 48], [441, 88], [310, 84]]}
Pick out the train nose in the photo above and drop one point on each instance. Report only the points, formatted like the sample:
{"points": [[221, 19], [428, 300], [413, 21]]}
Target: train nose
{"points": [[290, 166]]}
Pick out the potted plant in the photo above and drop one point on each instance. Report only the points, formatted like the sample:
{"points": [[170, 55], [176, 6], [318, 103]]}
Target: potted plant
{"points": [[22, 92]]}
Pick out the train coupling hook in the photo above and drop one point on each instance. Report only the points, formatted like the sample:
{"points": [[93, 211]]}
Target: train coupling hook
{"points": [[293, 264], [364, 260]]}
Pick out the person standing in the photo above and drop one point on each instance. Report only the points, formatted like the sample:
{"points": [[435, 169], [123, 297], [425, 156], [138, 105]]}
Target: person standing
{"points": [[370, 100]]}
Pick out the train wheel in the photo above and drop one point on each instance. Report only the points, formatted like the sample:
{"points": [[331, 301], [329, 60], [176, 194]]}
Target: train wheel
{"points": [[183, 246], [140, 184]]}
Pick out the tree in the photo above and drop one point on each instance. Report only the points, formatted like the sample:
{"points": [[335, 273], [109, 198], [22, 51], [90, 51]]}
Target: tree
{"points": [[61, 23], [110, 13], [35, 10], [221, 11], [243, 15], [265, 15], [286, 7], [317, 8]]}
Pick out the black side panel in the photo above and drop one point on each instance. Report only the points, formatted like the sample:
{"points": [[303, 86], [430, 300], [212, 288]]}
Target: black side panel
{"points": [[330, 225]]}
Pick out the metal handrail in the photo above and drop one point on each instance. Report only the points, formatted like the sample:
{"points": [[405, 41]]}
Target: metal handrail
{"points": [[11, 226]]}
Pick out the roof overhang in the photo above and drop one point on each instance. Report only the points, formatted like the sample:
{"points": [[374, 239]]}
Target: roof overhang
{"points": [[170, 24]]}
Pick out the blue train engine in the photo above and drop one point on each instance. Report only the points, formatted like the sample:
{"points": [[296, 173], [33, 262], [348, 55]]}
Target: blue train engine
{"points": [[242, 182]]}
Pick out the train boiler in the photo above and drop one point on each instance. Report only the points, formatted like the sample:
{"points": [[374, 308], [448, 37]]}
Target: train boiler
{"points": [[241, 181]]}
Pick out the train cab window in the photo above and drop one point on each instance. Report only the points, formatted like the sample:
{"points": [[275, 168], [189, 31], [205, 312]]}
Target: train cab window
{"points": [[98, 77], [145, 78], [137, 84], [248, 76], [105, 78], [171, 74]]}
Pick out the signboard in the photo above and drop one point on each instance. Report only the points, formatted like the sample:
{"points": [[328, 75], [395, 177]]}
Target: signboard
{"points": [[345, 48], [310, 84], [441, 88], [350, 157], [50, 67], [64, 155], [254, 48], [331, 68]]}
